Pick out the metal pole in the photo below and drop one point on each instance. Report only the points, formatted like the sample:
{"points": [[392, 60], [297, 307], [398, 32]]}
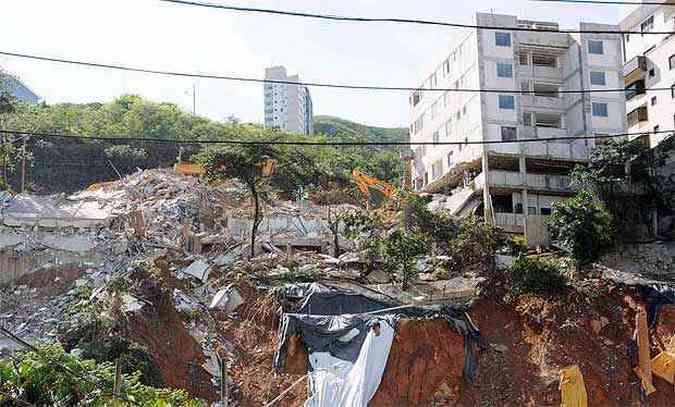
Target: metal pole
{"points": [[23, 166]]}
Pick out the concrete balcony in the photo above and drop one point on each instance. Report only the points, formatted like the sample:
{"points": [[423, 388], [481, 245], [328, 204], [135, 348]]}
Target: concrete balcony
{"points": [[548, 73], [531, 102], [635, 69], [538, 182]]}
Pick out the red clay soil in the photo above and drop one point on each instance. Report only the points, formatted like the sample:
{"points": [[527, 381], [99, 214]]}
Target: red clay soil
{"points": [[254, 339], [177, 354], [532, 341], [423, 356]]}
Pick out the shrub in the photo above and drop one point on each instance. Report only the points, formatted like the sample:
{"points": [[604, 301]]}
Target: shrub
{"points": [[440, 227], [55, 378], [582, 227], [400, 252], [537, 276]]}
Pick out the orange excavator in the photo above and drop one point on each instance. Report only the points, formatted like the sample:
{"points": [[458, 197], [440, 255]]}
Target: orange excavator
{"points": [[377, 193]]}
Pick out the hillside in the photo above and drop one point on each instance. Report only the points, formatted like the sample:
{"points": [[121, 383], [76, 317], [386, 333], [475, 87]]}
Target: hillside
{"points": [[333, 126]]}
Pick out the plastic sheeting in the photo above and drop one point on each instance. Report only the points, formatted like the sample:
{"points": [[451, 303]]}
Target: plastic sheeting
{"points": [[343, 311], [335, 382]]}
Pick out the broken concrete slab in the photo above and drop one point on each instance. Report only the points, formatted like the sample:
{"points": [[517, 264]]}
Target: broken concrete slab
{"points": [[227, 299], [198, 269]]}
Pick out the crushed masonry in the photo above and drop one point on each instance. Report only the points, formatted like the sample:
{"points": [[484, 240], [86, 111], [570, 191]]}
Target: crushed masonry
{"points": [[168, 255]]}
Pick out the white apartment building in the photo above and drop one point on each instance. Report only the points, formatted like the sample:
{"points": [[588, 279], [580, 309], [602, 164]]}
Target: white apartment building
{"points": [[287, 107], [650, 63], [525, 178]]}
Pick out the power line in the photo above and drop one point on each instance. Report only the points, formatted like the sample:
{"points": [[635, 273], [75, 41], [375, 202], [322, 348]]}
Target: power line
{"points": [[313, 84], [333, 17], [608, 2], [330, 143]]}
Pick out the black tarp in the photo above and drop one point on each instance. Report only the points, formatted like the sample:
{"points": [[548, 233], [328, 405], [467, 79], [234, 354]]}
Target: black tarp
{"points": [[327, 316]]}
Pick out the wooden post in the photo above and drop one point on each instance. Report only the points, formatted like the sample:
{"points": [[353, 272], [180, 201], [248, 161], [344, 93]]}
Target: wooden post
{"points": [[644, 368], [117, 384]]}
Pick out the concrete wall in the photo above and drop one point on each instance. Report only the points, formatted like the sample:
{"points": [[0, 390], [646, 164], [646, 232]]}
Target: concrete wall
{"points": [[657, 49]]}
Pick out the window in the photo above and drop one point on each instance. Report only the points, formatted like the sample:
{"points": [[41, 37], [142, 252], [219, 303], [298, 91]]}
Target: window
{"points": [[671, 61], [464, 110], [419, 123], [416, 97], [600, 109], [527, 119], [545, 211], [636, 88], [653, 100], [509, 134], [446, 67], [598, 78], [627, 37], [507, 102], [656, 129], [436, 169], [652, 73], [436, 137], [647, 25], [502, 39], [595, 47], [504, 70], [451, 159]]}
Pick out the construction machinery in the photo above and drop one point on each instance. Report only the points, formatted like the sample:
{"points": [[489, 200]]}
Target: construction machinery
{"points": [[378, 193]]}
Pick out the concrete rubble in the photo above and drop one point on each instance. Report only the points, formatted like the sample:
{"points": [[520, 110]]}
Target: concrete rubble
{"points": [[170, 256]]}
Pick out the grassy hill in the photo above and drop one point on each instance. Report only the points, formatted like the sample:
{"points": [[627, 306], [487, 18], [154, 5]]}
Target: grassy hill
{"points": [[341, 128]]}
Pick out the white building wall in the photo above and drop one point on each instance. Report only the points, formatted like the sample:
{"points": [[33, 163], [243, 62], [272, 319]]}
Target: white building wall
{"points": [[286, 106], [482, 117], [657, 48]]}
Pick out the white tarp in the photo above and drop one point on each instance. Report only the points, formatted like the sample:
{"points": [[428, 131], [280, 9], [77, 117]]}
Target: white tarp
{"points": [[335, 382]]}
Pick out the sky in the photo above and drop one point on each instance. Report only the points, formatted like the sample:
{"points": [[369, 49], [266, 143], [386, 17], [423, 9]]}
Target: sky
{"points": [[164, 36]]}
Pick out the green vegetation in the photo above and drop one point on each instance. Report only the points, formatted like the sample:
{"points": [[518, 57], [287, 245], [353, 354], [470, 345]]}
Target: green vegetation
{"points": [[52, 377], [67, 165], [582, 226], [534, 275], [347, 130]]}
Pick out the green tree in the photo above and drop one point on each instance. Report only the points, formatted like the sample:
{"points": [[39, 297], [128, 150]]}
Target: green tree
{"points": [[582, 226], [248, 163]]}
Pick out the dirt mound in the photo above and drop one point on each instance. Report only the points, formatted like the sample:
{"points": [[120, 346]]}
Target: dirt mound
{"points": [[424, 355], [531, 341], [161, 331]]}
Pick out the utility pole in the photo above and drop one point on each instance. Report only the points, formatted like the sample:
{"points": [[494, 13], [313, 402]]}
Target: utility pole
{"points": [[23, 165], [194, 99]]}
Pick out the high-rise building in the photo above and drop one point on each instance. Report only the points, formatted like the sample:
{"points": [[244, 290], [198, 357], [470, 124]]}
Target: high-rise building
{"points": [[522, 77], [288, 107], [650, 63], [11, 84]]}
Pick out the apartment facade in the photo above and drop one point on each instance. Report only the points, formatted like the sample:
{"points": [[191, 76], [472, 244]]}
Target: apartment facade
{"points": [[649, 63], [288, 107], [526, 74], [18, 89]]}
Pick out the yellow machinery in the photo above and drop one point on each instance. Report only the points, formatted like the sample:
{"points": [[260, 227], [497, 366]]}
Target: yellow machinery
{"points": [[376, 192]]}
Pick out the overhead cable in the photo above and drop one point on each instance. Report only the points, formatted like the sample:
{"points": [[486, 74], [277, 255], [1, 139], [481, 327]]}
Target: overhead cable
{"points": [[334, 17], [610, 3], [314, 84], [328, 143]]}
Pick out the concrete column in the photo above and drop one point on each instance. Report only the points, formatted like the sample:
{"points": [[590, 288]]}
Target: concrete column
{"points": [[526, 203]]}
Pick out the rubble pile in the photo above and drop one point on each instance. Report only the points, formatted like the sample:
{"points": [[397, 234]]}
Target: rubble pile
{"points": [[154, 269]]}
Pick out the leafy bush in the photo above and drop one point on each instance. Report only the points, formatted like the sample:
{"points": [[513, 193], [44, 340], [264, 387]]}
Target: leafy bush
{"points": [[582, 227], [475, 244], [440, 227], [400, 252], [537, 276], [56, 378]]}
